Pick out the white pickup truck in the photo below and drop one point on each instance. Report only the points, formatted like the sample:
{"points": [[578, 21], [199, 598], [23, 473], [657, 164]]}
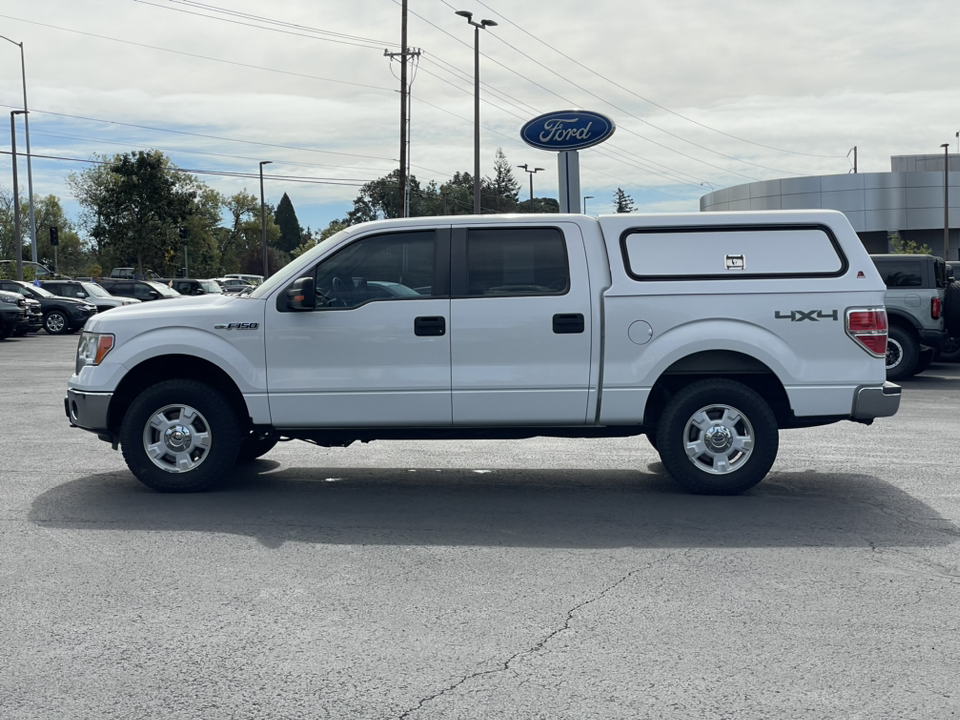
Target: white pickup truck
{"points": [[706, 332]]}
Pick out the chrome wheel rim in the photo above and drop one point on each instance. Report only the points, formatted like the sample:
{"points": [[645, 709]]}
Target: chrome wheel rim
{"points": [[177, 438], [718, 439], [56, 323]]}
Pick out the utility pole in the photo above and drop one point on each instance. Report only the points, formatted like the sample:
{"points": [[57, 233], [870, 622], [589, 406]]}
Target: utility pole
{"points": [[404, 198]]}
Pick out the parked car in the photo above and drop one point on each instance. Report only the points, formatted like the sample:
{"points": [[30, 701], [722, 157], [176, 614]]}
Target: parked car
{"points": [[8, 268], [13, 309], [922, 309], [129, 273], [193, 286], [60, 315], [247, 278], [32, 321], [142, 290], [89, 291], [233, 286]]}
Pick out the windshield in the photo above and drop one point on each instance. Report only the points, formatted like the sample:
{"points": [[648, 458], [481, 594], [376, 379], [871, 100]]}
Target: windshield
{"points": [[95, 290], [40, 291], [210, 286], [163, 289]]}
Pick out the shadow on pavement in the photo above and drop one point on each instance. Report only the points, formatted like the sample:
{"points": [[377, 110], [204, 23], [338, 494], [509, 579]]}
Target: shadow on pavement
{"points": [[511, 507]]}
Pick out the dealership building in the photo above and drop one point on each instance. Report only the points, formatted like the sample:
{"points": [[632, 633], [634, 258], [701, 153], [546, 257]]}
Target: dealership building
{"points": [[907, 201]]}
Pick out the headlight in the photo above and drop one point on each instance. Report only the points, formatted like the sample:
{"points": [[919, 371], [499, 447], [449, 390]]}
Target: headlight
{"points": [[8, 299], [88, 308], [92, 349]]}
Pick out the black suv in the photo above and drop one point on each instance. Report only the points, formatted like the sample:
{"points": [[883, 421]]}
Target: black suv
{"points": [[89, 291], [13, 311], [142, 290], [923, 309], [60, 315]]}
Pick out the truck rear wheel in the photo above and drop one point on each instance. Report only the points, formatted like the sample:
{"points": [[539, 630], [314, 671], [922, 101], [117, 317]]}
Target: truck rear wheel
{"points": [[180, 436], [717, 437]]}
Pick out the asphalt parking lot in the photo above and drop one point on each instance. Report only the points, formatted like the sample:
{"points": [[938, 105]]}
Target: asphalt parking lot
{"points": [[542, 578]]}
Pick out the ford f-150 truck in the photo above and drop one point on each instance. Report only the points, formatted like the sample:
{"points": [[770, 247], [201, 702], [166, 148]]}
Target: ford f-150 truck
{"points": [[706, 332]]}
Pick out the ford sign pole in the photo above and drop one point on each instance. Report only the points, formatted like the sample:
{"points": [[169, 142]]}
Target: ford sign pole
{"points": [[565, 132]]}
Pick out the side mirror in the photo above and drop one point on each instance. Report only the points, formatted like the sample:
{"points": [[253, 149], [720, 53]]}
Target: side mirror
{"points": [[302, 295]]}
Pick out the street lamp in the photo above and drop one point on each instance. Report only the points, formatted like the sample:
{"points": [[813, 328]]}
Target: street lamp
{"points": [[476, 102], [946, 200], [532, 173], [263, 221], [26, 124], [585, 198], [16, 191]]}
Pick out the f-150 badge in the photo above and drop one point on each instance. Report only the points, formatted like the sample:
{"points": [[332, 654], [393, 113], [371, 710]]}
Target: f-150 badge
{"points": [[237, 326], [801, 315]]}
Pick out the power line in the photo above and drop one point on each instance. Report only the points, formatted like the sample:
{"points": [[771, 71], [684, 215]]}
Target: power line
{"points": [[221, 173], [198, 56], [641, 97], [208, 136], [366, 43]]}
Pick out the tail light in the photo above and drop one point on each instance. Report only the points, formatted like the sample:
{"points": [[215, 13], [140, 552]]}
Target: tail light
{"points": [[868, 328], [936, 307]]}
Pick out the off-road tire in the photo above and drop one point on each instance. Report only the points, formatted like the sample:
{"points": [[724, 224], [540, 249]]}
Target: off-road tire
{"points": [[951, 309], [903, 352]]}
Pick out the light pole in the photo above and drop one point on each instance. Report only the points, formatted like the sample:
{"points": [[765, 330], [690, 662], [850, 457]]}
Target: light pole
{"points": [[585, 198], [16, 191], [532, 173], [263, 221], [946, 200], [26, 125], [476, 102]]}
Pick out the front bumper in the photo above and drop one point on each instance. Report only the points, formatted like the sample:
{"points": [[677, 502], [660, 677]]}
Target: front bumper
{"points": [[876, 401], [88, 410]]}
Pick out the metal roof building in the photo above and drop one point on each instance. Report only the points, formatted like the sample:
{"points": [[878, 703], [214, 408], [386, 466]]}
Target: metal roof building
{"points": [[907, 201]]}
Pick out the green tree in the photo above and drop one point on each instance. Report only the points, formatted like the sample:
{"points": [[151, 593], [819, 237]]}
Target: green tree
{"points": [[623, 202], [241, 244], [902, 246], [500, 194], [286, 219], [139, 200]]}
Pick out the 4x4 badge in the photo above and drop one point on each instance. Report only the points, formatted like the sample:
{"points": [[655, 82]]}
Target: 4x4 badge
{"points": [[801, 315]]}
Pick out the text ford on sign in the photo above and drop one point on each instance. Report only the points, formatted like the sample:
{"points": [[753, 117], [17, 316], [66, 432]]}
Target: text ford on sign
{"points": [[567, 130]]}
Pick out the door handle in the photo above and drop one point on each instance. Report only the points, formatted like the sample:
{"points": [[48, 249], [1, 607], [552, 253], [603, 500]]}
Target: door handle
{"points": [[568, 324], [429, 326]]}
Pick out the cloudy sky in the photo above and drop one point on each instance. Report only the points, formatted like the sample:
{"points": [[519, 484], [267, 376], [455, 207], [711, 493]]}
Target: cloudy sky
{"points": [[704, 94]]}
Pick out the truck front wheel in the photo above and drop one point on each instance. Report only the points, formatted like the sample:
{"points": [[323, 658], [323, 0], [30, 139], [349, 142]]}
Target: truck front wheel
{"points": [[717, 437], [180, 436]]}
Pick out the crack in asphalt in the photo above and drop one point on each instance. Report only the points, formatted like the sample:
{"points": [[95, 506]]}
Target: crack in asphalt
{"points": [[505, 666]]}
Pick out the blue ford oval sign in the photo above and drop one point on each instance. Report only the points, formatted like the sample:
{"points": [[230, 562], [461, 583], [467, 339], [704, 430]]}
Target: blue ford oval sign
{"points": [[567, 130]]}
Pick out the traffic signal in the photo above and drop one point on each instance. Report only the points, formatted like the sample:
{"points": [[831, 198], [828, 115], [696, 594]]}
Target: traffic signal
{"points": [[54, 236], [184, 233]]}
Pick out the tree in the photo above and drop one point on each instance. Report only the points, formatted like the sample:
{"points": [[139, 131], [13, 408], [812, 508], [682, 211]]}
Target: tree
{"points": [[135, 203], [286, 219], [902, 246], [241, 245], [623, 202], [502, 192]]}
